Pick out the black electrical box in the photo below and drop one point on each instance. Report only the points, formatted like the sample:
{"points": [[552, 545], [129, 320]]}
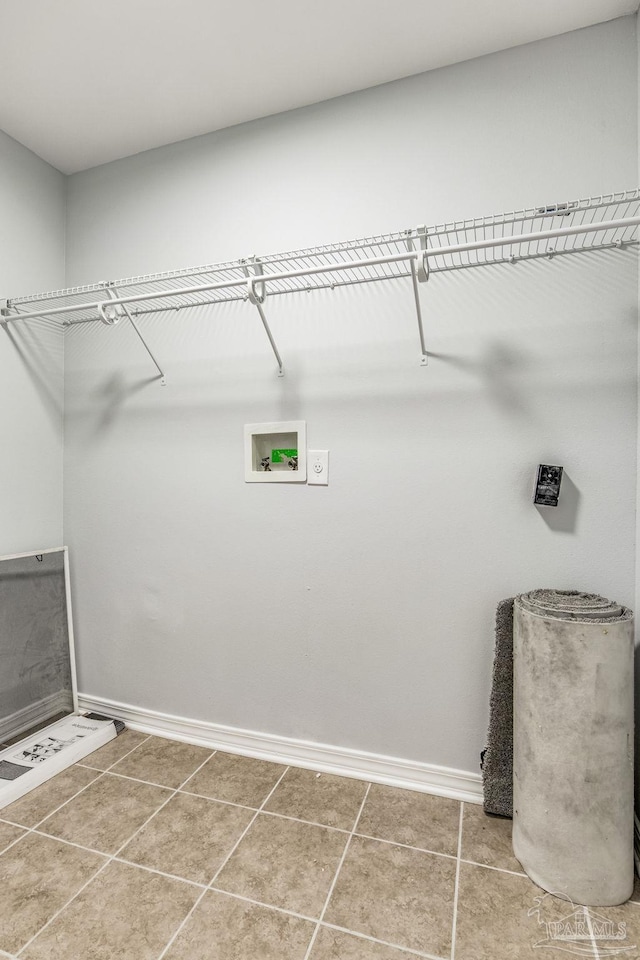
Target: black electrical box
{"points": [[548, 483]]}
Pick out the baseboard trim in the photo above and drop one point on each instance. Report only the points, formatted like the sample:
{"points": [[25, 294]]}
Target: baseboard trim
{"points": [[409, 774]]}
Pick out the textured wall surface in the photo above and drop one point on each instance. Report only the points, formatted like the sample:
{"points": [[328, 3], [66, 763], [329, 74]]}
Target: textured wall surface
{"points": [[32, 256], [360, 614]]}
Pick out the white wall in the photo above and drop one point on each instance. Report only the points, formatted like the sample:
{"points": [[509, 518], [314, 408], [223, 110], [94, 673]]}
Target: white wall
{"points": [[637, 595], [32, 237], [360, 614]]}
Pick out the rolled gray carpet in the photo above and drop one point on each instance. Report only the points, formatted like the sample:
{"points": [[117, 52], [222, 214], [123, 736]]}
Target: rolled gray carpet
{"points": [[573, 745], [497, 762]]}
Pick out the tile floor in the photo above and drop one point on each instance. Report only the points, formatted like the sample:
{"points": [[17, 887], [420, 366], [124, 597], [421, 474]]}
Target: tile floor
{"points": [[152, 849]]}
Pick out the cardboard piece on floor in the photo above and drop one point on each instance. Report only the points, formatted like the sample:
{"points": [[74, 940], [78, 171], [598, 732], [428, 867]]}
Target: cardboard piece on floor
{"points": [[42, 755]]}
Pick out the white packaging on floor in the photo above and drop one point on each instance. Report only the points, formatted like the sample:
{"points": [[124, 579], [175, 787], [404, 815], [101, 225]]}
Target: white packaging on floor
{"points": [[42, 755]]}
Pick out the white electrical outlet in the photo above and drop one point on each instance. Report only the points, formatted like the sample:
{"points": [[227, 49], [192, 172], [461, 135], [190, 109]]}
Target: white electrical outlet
{"points": [[318, 466]]}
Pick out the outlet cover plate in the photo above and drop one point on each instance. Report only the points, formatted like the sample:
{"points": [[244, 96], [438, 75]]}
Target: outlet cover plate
{"points": [[318, 467]]}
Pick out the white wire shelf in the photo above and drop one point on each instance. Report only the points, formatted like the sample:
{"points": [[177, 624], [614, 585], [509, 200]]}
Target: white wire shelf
{"points": [[588, 214], [552, 230]]}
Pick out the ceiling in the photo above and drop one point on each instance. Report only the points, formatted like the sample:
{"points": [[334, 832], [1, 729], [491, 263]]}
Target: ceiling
{"points": [[88, 81]]}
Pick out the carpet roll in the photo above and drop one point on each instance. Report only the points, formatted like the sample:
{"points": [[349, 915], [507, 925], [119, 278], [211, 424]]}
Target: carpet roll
{"points": [[497, 758], [573, 745]]}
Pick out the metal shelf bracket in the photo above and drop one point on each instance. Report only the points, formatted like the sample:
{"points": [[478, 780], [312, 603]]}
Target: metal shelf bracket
{"points": [[419, 274], [256, 294], [112, 313]]}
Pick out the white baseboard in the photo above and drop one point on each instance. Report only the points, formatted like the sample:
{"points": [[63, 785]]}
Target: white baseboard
{"points": [[409, 774], [33, 714]]}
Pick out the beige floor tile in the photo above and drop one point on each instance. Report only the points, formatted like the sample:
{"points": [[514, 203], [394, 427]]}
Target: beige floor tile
{"points": [[404, 897], [8, 833], [487, 840], [165, 762], [37, 877], [190, 837], [617, 928], [335, 945], [504, 917], [124, 914], [285, 863], [115, 750], [106, 814], [235, 779], [39, 803], [224, 928], [320, 797], [417, 819]]}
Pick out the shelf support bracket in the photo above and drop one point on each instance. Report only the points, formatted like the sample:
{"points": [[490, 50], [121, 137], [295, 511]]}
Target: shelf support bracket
{"points": [[419, 274], [256, 293], [112, 313]]}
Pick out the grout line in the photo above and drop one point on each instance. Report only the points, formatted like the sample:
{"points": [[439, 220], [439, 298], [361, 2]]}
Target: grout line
{"points": [[147, 783], [386, 943], [147, 737], [596, 954], [456, 886], [118, 859], [161, 873], [268, 813], [70, 843], [187, 793], [63, 907], [246, 829], [231, 803], [25, 831], [109, 860], [406, 846], [64, 804], [259, 903], [310, 823], [487, 866], [228, 803], [104, 770], [221, 867], [156, 812], [337, 873]]}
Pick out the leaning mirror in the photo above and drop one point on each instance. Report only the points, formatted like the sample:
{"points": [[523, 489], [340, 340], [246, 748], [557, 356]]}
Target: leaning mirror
{"points": [[37, 669], [41, 731]]}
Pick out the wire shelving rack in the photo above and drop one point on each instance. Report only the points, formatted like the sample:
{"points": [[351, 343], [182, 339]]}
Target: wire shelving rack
{"points": [[552, 230]]}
